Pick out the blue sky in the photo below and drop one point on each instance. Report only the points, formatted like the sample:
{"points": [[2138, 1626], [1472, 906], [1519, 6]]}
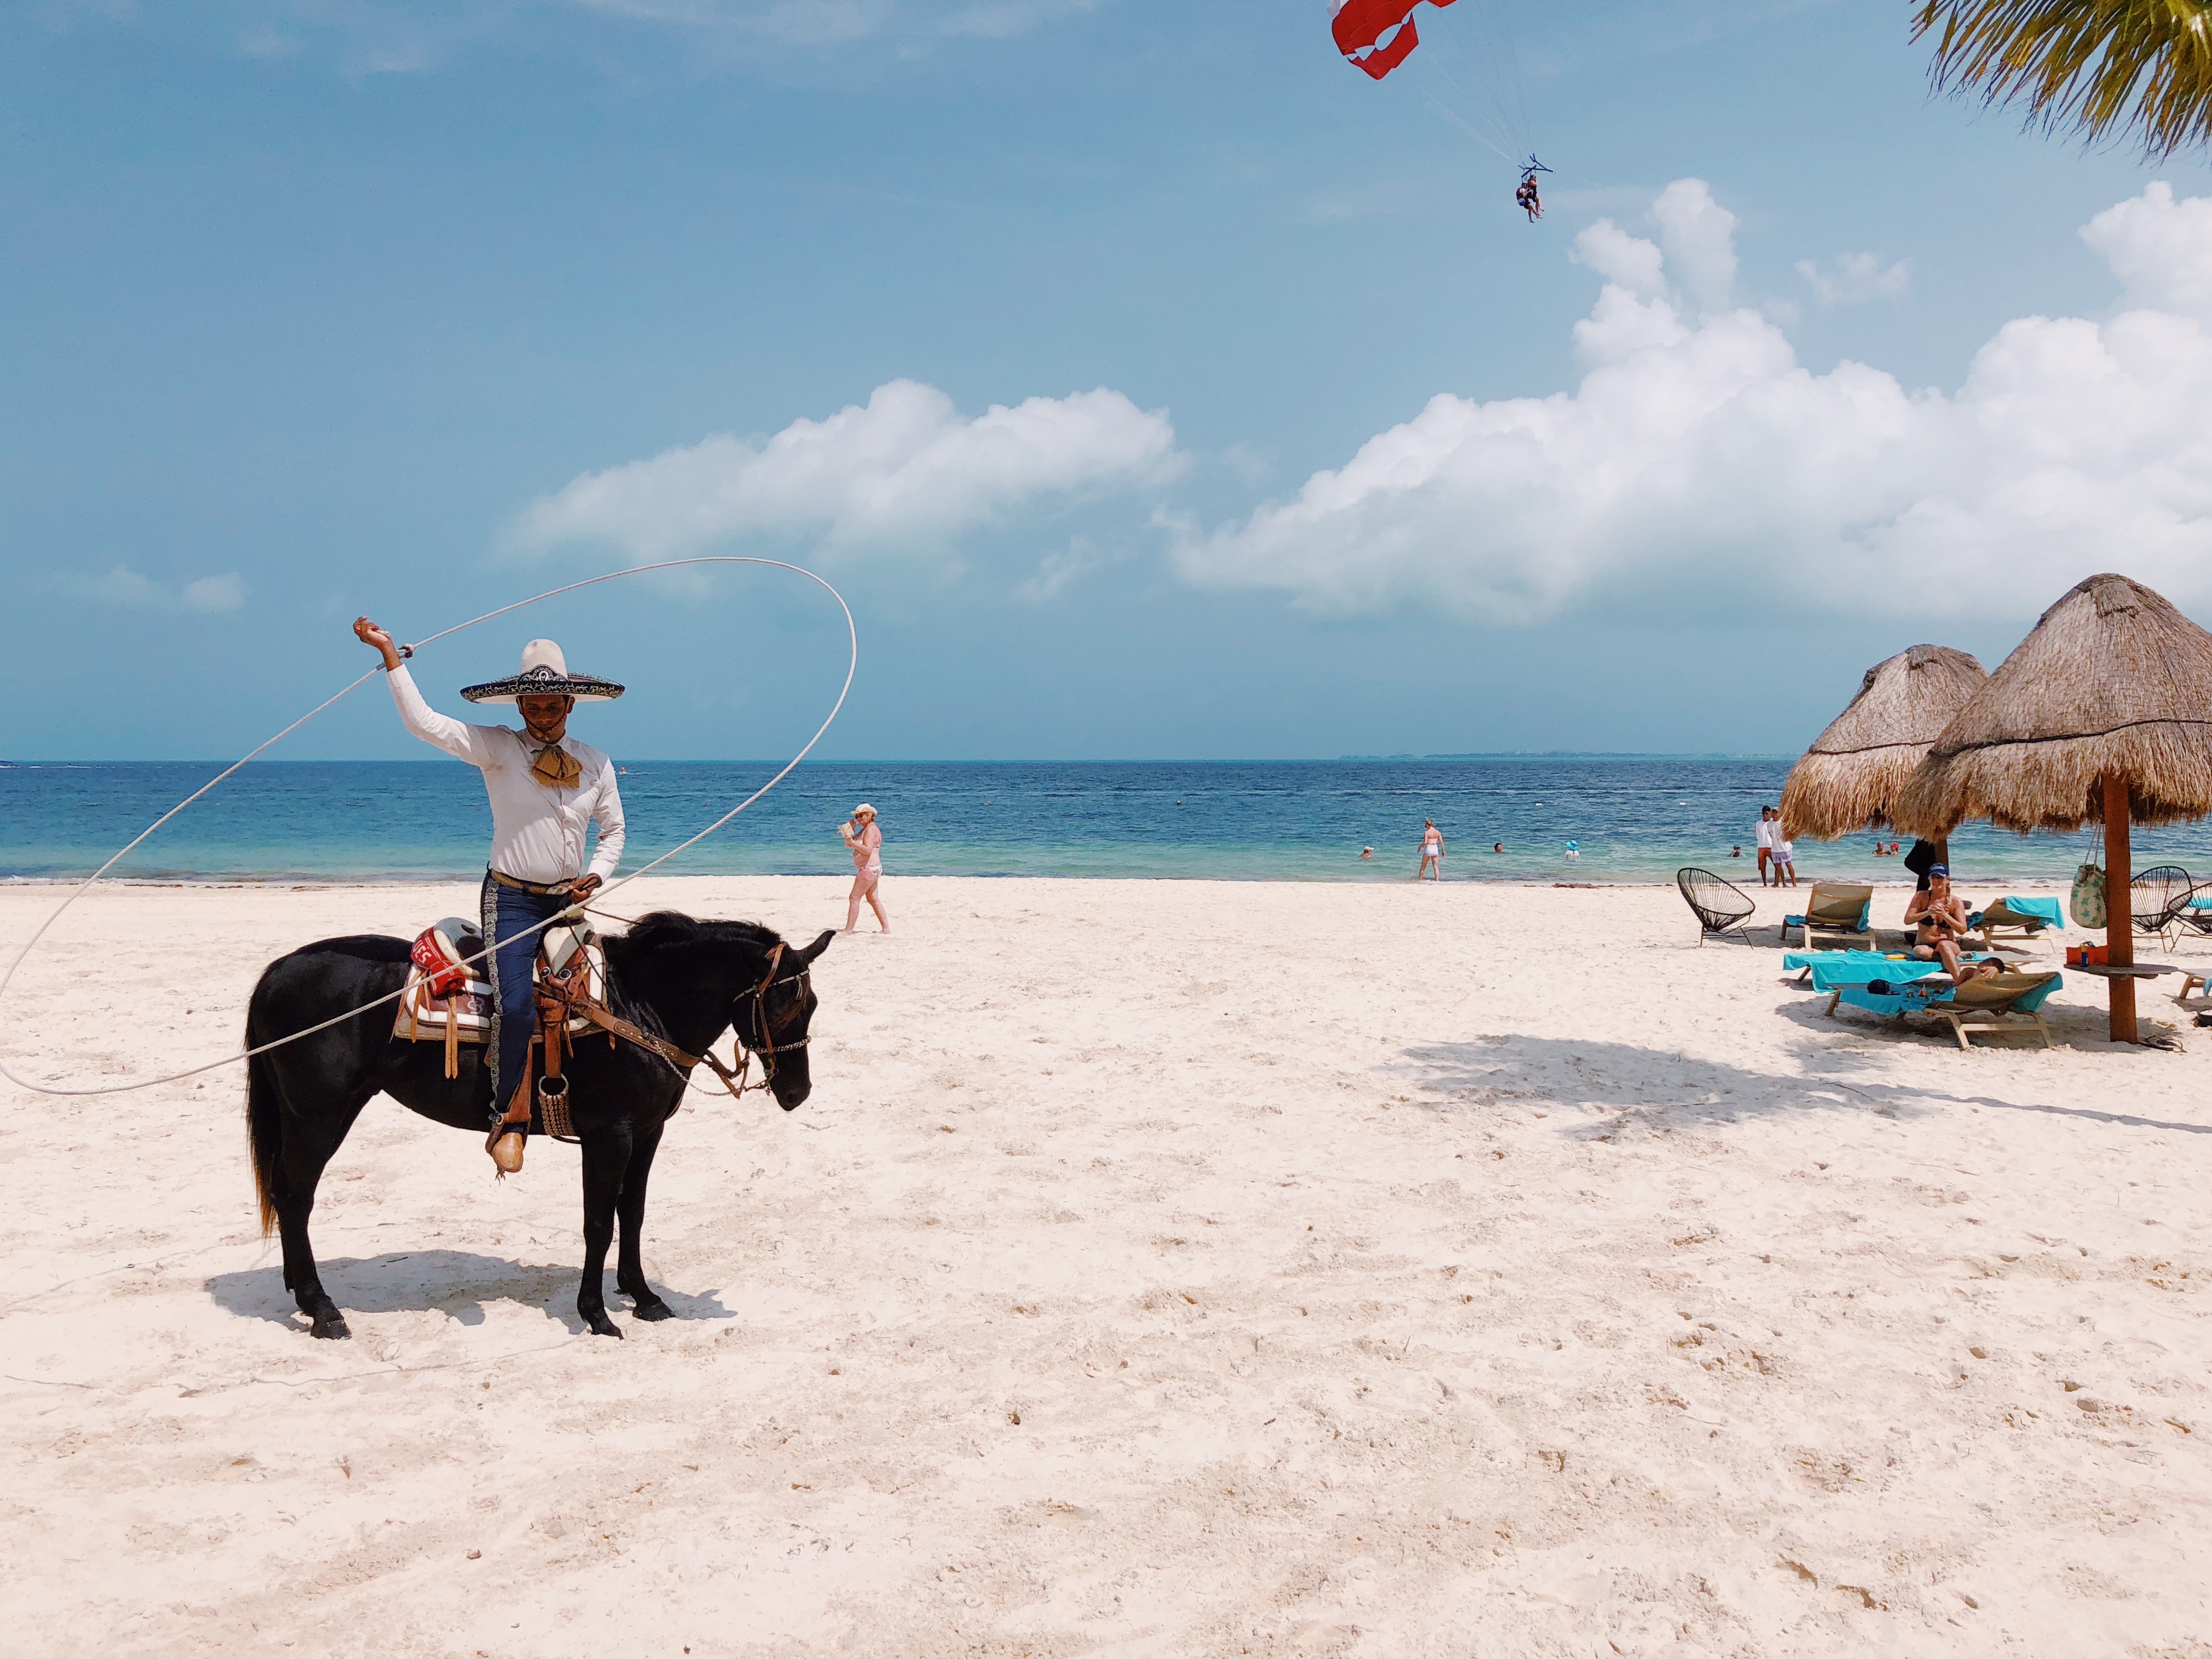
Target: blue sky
{"points": [[313, 306]]}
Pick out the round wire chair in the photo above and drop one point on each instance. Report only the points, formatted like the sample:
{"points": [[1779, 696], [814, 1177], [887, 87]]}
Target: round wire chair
{"points": [[2157, 899], [1720, 906]]}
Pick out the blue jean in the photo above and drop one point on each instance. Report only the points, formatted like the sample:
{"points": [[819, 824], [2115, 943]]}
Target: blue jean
{"points": [[509, 913]]}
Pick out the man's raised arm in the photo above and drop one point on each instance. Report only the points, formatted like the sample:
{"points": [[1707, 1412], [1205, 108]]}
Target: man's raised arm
{"points": [[456, 738]]}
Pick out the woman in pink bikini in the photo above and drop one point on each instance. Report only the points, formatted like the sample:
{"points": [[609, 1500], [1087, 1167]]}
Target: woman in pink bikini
{"points": [[865, 843]]}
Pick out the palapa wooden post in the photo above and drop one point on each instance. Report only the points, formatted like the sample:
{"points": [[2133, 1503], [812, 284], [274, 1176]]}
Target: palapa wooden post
{"points": [[2120, 923]]}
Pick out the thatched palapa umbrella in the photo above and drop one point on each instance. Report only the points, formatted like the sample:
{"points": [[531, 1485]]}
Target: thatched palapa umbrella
{"points": [[1849, 779], [2102, 714]]}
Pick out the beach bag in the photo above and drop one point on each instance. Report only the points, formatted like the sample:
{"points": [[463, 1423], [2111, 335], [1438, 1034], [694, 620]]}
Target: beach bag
{"points": [[2086, 904]]}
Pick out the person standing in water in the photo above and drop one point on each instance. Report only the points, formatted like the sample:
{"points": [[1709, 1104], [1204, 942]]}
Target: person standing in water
{"points": [[1432, 850], [1769, 823], [865, 842]]}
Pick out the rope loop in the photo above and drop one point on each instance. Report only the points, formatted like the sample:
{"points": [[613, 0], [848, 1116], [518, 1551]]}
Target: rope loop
{"points": [[852, 666]]}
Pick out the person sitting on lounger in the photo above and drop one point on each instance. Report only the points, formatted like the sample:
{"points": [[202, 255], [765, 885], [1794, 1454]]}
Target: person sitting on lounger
{"points": [[1938, 918]]}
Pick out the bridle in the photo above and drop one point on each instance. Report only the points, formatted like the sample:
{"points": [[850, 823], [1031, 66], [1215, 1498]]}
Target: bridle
{"points": [[736, 1079], [763, 1042]]}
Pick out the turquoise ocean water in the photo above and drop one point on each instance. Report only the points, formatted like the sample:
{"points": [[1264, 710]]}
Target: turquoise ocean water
{"points": [[1635, 819]]}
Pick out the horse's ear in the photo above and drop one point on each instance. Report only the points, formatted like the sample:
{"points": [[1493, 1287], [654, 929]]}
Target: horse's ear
{"points": [[818, 947]]}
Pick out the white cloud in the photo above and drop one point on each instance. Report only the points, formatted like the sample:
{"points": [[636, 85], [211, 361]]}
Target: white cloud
{"points": [[269, 44], [1853, 278], [1626, 261], [403, 36], [829, 23], [122, 586], [2160, 249], [1698, 236], [1055, 571], [904, 472], [779, 22], [224, 593], [1697, 456], [1001, 20]]}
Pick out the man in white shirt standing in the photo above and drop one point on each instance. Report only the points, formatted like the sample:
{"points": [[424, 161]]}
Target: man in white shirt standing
{"points": [[1770, 823], [545, 789]]}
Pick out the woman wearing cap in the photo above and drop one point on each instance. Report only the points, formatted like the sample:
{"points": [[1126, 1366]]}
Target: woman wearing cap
{"points": [[1939, 921], [546, 789], [865, 843]]}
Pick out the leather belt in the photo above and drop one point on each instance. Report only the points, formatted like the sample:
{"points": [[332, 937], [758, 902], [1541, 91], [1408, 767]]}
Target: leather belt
{"points": [[542, 889]]}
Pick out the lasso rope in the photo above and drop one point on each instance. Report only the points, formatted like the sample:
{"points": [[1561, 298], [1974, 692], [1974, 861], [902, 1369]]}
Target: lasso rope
{"points": [[572, 913]]}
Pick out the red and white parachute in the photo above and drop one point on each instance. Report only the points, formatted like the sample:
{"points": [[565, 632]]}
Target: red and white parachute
{"points": [[1470, 72], [1360, 25]]}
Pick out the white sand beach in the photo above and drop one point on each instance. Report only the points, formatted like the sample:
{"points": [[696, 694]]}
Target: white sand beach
{"points": [[1158, 1268]]}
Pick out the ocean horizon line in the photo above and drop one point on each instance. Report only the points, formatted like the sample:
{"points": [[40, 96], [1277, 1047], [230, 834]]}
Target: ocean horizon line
{"points": [[879, 760], [1506, 819]]}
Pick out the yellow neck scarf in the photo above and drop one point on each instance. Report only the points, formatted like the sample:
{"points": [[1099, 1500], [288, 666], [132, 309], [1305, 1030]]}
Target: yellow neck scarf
{"points": [[555, 767]]}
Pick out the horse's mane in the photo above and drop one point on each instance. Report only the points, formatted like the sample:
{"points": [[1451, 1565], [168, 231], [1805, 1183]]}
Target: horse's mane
{"points": [[662, 930]]}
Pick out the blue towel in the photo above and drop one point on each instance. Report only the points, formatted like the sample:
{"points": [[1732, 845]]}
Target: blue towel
{"points": [[1834, 968], [2050, 909], [1859, 996]]}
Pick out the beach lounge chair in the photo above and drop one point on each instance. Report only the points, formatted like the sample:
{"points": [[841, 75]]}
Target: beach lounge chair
{"points": [[2010, 1002], [2002, 925], [1720, 906], [2159, 898], [1838, 917], [1827, 969]]}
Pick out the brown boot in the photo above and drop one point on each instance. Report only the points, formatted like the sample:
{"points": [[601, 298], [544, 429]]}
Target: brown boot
{"points": [[504, 1145], [508, 1137]]}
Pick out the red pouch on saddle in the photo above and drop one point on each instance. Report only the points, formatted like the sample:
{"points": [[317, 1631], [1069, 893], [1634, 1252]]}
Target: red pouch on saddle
{"points": [[434, 957]]}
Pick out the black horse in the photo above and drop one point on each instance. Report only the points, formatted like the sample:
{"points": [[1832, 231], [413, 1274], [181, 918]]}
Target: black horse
{"points": [[682, 979]]}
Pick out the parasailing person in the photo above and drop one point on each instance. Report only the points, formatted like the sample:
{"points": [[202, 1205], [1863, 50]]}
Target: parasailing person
{"points": [[1377, 36], [1526, 197]]}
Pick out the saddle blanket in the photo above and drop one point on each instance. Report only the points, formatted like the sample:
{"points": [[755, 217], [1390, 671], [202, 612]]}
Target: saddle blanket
{"points": [[439, 993]]}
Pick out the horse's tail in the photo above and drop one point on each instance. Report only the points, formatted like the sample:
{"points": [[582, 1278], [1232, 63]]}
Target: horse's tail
{"points": [[264, 1130]]}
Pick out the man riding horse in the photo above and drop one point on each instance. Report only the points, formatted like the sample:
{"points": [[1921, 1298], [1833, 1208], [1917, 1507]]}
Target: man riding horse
{"points": [[545, 787]]}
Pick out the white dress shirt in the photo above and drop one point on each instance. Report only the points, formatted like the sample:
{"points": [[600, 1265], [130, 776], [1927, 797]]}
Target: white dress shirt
{"points": [[537, 829]]}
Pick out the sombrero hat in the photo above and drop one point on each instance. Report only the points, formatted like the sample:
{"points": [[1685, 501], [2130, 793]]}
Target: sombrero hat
{"points": [[544, 674]]}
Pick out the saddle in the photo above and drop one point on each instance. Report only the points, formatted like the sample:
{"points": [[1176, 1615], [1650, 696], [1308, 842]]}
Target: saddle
{"points": [[448, 999], [444, 1001]]}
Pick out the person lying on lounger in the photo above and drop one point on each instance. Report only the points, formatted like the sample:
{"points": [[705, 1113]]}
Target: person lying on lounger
{"points": [[1938, 918]]}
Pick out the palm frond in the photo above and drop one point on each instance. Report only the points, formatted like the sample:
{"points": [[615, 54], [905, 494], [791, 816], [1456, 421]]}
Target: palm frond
{"points": [[2135, 68]]}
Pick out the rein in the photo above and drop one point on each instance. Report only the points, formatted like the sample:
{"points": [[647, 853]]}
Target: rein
{"points": [[575, 1001]]}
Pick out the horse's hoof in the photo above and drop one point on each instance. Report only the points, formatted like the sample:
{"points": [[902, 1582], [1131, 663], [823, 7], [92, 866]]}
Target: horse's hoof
{"points": [[602, 1326], [652, 1308], [331, 1327]]}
